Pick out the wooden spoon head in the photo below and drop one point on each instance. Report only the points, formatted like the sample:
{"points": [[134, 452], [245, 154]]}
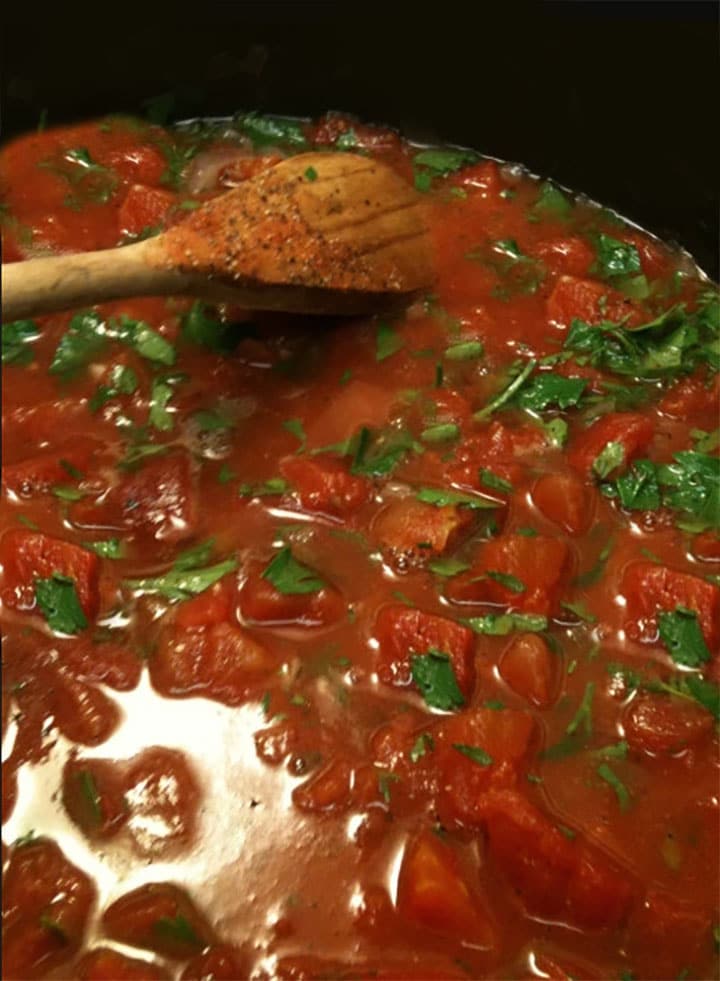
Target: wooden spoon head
{"points": [[340, 230]]}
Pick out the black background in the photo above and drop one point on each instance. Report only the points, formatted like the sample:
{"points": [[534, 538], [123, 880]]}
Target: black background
{"points": [[617, 99]]}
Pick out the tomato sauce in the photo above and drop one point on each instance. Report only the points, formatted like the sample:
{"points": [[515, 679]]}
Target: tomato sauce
{"points": [[367, 649]]}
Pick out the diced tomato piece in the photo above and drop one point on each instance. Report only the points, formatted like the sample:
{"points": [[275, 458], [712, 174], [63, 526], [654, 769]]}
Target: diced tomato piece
{"points": [[331, 127], [83, 713], [657, 724], [529, 667], [536, 567], [223, 662], [650, 588], [105, 964], [667, 936], [220, 963], [30, 555], [328, 790], [485, 176], [209, 608], [706, 546], [102, 662], [262, 603], [46, 904], [142, 164], [275, 743], [410, 531], [564, 499], [591, 301], [402, 631], [505, 737], [38, 473], [143, 208], [631, 430], [692, 396], [158, 500], [358, 404], [306, 967], [162, 798], [565, 254], [324, 485], [146, 916], [433, 893], [92, 794], [655, 258], [555, 877], [497, 448]]}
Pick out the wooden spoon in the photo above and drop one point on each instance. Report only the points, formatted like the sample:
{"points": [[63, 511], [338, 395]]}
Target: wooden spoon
{"points": [[318, 233]]}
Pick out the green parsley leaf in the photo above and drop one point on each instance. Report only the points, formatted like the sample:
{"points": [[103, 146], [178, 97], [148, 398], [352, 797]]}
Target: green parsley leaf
{"points": [[579, 610], [434, 675], [89, 790], [474, 753], [491, 480], [387, 341], [273, 485], [385, 782], [422, 744], [296, 427], [551, 203], [66, 493], [614, 781], [443, 162], [377, 454], [110, 548], [291, 577], [16, 339], [58, 600], [82, 341], [160, 418], [547, 389], [680, 632], [442, 498], [692, 486], [509, 582], [583, 716], [311, 174], [271, 130], [182, 584], [177, 930], [201, 328], [211, 420], [440, 433], [507, 393], [121, 381], [142, 338], [616, 751], [609, 459], [193, 558], [502, 624], [616, 258], [638, 488], [464, 351], [447, 567], [226, 474]]}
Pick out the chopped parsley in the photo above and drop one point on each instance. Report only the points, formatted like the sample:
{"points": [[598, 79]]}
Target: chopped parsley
{"points": [[502, 624], [547, 389], [510, 390], [509, 582], [583, 716], [440, 433], [121, 381], [609, 459], [291, 577], [493, 482], [616, 258], [613, 780], [682, 635], [16, 340], [183, 583], [447, 567], [387, 341], [434, 675], [160, 417], [110, 548], [420, 747], [443, 498], [474, 753], [464, 351], [199, 327], [58, 601], [177, 929]]}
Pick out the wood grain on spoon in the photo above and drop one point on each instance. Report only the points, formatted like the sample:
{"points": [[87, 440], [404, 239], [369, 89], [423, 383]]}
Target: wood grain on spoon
{"points": [[318, 233]]}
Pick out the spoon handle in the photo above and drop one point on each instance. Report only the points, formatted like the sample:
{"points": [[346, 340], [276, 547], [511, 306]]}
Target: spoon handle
{"points": [[45, 285]]}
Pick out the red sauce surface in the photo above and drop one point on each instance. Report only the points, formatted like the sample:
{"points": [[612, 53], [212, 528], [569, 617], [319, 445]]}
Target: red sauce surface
{"points": [[368, 649]]}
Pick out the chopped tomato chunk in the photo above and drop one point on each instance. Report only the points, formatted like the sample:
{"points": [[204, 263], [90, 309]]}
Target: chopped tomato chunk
{"points": [[93, 796], [159, 917], [27, 556], [690, 397], [262, 603], [209, 608], [529, 667], [222, 661], [555, 876], [516, 572], [657, 724], [650, 589], [591, 301], [324, 485], [411, 531], [219, 963], [565, 500], [158, 500], [433, 893], [143, 208], [46, 904], [565, 254], [476, 750], [630, 430], [402, 631], [38, 473], [668, 936]]}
